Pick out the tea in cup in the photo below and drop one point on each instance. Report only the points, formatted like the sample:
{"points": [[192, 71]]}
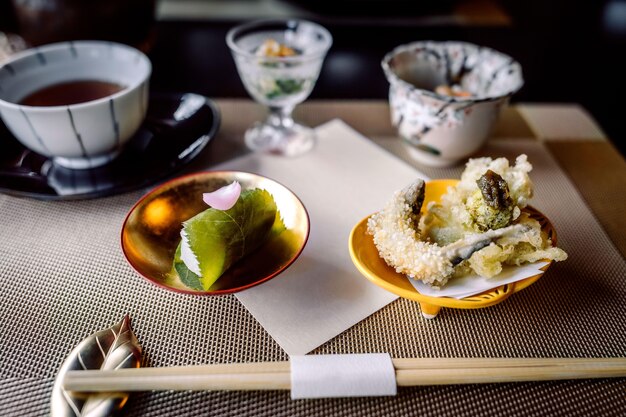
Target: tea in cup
{"points": [[76, 102]]}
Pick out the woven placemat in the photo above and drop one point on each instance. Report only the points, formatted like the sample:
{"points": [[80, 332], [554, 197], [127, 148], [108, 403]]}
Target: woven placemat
{"points": [[63, 276]]}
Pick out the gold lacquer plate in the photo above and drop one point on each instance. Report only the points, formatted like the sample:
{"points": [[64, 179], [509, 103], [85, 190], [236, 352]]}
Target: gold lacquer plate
{"points": [[365, 257], [151, 232]]}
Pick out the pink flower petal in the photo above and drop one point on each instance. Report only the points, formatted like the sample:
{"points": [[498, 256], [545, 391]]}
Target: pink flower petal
{"points": [[223, 198]]}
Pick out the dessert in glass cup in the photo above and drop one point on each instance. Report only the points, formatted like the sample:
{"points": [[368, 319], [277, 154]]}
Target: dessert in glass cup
{"points": [[279, 62]]}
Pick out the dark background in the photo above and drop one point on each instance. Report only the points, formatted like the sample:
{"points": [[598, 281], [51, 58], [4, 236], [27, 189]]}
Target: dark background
{"points": [[570, 52]]}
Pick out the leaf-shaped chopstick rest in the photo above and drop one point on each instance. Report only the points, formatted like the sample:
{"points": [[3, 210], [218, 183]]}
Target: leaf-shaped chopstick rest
{"points": [[113, 348]]}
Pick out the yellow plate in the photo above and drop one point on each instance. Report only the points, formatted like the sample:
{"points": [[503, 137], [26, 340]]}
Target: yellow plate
{"points": [[151, 232], [365, 256]]}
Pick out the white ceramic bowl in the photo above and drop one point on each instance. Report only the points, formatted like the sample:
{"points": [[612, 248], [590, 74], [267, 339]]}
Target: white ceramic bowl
{"points": [[83, 135], [443, 130]]}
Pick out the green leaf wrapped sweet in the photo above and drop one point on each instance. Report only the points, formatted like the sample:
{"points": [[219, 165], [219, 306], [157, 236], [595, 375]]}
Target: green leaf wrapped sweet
{"points": [[213, 240]]}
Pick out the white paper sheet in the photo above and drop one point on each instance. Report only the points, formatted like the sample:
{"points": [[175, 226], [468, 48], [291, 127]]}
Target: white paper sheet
{"points": [[356, 375], [472, 284], [345, 178]]}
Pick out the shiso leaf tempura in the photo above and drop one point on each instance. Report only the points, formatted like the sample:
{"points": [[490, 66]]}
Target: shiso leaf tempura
{"points": [[213, 240], [478, 226]]}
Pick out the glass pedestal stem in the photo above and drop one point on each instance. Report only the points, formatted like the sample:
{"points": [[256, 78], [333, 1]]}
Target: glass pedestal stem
{"points": [[279, 134], [281, 117]]}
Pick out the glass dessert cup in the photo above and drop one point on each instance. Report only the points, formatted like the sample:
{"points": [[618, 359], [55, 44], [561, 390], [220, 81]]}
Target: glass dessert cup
{"points": [[277, 81]]}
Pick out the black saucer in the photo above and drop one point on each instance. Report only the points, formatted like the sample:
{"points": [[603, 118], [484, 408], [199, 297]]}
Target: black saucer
{"points": [[176, 129]]}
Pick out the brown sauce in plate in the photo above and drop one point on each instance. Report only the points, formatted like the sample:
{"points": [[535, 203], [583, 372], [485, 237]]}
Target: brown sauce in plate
{"points": [[72, 92]]}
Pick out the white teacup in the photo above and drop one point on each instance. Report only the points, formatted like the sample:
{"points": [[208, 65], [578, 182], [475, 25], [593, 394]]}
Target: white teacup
{"points": [[82, 135]]}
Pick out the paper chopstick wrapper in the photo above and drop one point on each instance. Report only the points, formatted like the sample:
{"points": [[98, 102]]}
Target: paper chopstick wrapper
{"points": [[356, 375]]}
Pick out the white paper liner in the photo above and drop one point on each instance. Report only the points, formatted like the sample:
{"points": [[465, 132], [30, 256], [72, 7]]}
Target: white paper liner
{"points": [[472, 284]]}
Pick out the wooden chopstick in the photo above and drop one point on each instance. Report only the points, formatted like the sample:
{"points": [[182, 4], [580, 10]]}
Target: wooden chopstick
{"points": [[439, 363], [409, 372]]}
